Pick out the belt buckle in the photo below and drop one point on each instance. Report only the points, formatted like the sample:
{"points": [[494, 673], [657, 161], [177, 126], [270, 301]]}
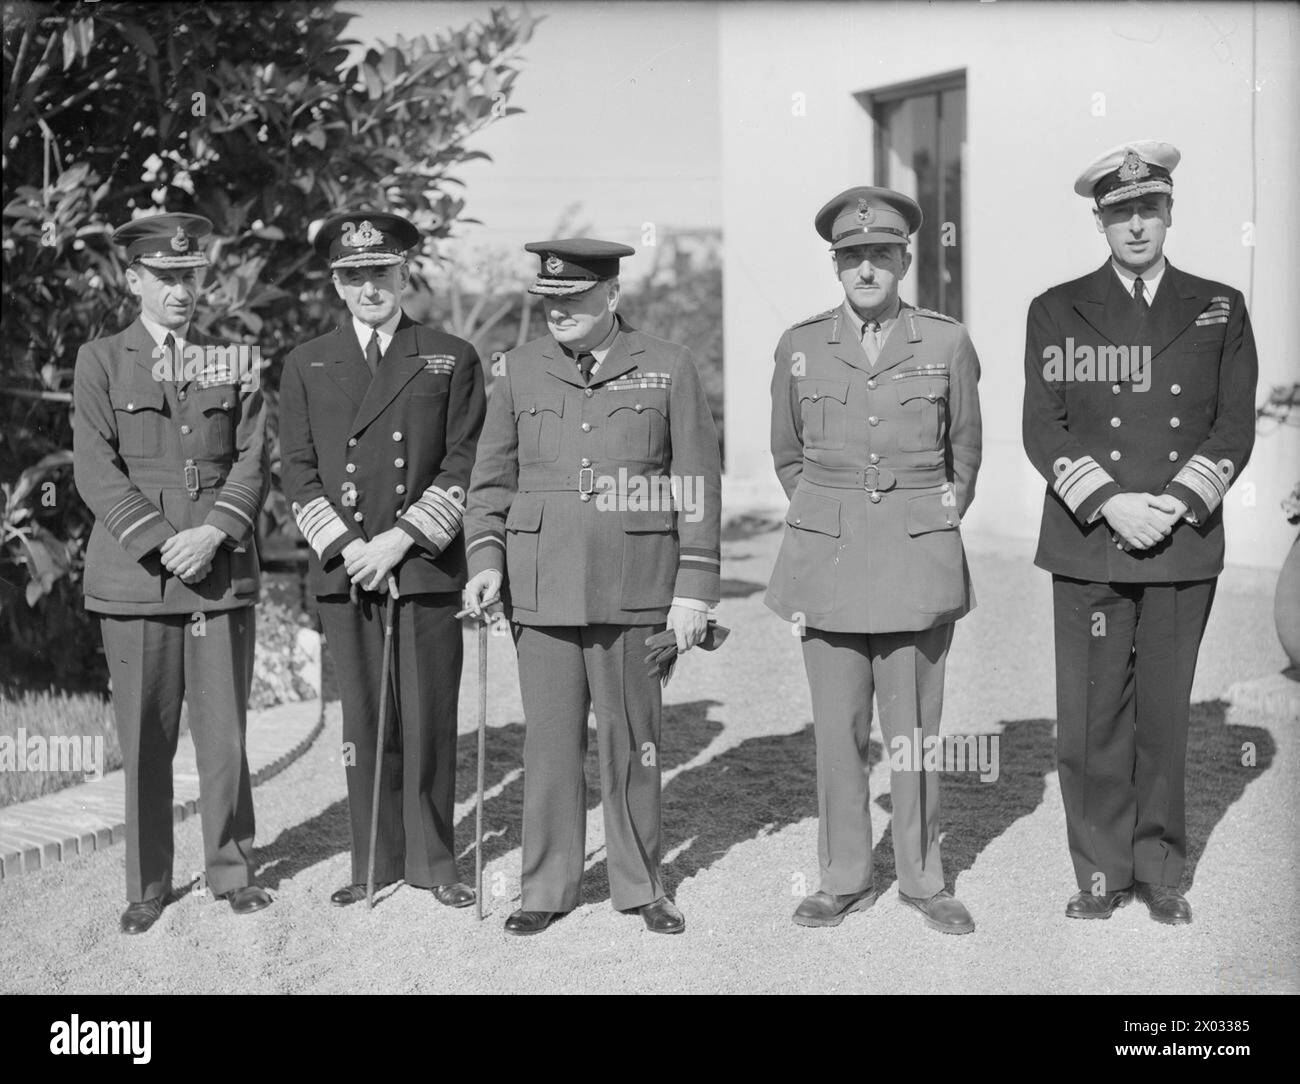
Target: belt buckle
{"points": [[587, 480], [871, 482], [191, 477]]}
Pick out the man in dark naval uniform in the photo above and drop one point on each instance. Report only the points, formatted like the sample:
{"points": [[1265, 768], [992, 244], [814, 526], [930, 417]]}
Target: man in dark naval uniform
{"points": [[169, 456], [1139, 411], [876, 441], [379, 420], [596, 495]]}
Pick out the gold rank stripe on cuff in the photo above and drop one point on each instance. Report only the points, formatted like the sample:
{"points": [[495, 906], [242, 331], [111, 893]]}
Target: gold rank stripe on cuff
{"points": [[485, 540], [438, 364], [437, 515], [640, 381], [1204, 478], [1077, 480], [130, 514], [239, 500], [320, 525], [700, 560]]}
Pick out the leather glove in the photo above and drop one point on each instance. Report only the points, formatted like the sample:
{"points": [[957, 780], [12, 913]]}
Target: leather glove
{"points": [[663, 649]]}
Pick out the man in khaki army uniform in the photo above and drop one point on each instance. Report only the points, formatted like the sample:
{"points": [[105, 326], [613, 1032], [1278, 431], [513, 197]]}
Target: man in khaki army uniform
{"points": [[169, 456], [581, 424], [876, 440], [1139, 412], [379, 419]]}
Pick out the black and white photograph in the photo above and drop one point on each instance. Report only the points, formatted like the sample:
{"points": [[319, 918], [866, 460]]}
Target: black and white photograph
{"points": [[675, 497]]}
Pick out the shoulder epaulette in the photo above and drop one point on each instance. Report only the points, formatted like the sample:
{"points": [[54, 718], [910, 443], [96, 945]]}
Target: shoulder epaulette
{"points": [[936, 315], [814, 319]]}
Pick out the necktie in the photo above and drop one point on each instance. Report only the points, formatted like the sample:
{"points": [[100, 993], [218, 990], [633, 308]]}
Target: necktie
{"points": [[585, 363], [372, 352], [1140, 295], [169, 345], [871, 340]]}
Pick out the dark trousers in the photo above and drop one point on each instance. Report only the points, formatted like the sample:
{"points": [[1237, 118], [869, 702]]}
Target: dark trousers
{"points": [[418, 782], [905, 672], [156, 664], [564, 671], [1125, 659]]}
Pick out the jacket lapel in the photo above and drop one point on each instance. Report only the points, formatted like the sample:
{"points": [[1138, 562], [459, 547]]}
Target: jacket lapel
{"points": [[140, 346], [840, 338], [347, 366], [397, 368], [1106, 307], [1177, 304], [623, 355], [560, 365]]}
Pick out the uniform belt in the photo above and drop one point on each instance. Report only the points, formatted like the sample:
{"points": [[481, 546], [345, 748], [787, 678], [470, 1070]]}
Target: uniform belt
{"points": [[191, 476], [873, 478], [580, 481]]}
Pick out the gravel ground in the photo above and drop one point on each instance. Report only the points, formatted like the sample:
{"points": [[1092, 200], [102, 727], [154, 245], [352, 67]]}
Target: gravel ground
{"points": [[740, 847]]}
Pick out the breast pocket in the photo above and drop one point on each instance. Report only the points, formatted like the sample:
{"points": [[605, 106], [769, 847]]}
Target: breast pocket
{"points": [[139, 412], [218, 405], [823, 407], [636, 430], [923, 402], [539, 418]]}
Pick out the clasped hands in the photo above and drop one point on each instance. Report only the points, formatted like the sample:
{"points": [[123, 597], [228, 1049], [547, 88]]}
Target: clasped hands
{"points": [[1142, 520], [188, 554], [369, 563]]}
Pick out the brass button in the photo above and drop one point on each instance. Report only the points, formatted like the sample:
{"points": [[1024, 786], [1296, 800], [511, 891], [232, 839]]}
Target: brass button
{"points": [[532, 410], [1114, 389], [225, 404], [588, 392], [181, 396], [871, 384], [1115, 455], [1174, 423], [639, 408], [351, 468], [586, 462], [356, 516], [399, 462], [352, 442], [873, 420], [948, 522], [1173, 457], [399, 488], [874, 458], [397, 434], [130, 406], [185, 430], [585, 496], [586, 427], [798, 520], [1114, 423], [1119, 545], [931, 396], [1176, 389], [816, 395], [875, 497]]}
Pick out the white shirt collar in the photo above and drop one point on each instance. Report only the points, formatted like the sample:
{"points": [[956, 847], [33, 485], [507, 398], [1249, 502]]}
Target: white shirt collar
{"points": [[1150, 277], [386, 331], [886, 319], [159, 333]]}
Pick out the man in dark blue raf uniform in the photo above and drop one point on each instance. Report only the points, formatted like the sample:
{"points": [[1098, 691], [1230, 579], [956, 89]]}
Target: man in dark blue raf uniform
{"points": [[876, 441], [1140, 412], [378, 424], [169, 455], [588, 575]]}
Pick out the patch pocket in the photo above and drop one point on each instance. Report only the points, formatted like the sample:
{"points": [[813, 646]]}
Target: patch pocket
{"points": [[935, 561], [823, 405], [923, 400], [808, 562], [523, 532], [635, 430], [138, 411], [539, 417], [649, 560]]}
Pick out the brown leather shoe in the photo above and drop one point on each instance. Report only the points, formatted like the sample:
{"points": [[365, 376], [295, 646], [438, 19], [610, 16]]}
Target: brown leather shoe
{"points": [[525, 923], [943, 912], [1097, 905], [825, 909], [454, 895], [246, 900], [138, 917], [662, 916], [350, 894], [1165, 903]]}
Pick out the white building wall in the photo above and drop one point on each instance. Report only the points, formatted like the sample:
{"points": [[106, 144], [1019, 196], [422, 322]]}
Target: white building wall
{"points": [[1049, 86]]}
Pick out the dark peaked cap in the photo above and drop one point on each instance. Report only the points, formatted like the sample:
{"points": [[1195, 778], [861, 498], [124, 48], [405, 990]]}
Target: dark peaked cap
{"points": [[865, 216], [575, 264]]}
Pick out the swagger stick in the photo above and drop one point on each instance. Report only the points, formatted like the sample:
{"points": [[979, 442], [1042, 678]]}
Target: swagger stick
{"points": [[390, 608], [482, 753]]}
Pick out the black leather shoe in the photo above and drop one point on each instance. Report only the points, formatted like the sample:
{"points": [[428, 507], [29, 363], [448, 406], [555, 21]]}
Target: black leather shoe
{"points": [[662, 916], [455, 895], [825, 909], [138, 917], [525, 923], [1165, 903], [350, 894], [943, 912], [246, 900], [1094, 905]]}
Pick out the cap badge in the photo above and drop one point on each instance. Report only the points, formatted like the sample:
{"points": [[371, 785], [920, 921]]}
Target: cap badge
{"points": [[554, 265], [866, 214], [1133, 168], [363, 236], [180, 241]]}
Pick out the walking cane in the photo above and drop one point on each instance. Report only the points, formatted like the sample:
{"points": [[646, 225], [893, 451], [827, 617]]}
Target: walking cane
{"points": [[389, 608], [482, 753]]}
